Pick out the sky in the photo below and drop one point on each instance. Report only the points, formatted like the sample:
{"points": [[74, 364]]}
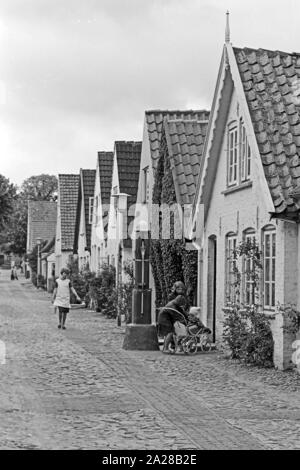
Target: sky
{"points": [[77, 75]]}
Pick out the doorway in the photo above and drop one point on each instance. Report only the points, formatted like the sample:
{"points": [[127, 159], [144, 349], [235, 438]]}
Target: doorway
{"points": [[212, 284]]}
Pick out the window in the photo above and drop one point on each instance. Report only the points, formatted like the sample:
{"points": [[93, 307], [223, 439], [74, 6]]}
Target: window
{"points": [[239, 155], [91, 209], [96, 209], [249, 281], [233, 157], [269, 268], [231, 244], [146, 184], [245, 153]]}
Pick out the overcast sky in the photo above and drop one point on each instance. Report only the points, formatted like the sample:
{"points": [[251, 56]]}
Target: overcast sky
{"points": [[76, 75]]}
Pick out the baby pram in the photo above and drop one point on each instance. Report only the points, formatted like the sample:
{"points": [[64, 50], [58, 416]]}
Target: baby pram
{"points": [[189, 333]]}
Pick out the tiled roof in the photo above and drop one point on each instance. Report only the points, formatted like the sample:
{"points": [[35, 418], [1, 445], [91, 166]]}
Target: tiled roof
{"points": [[128, 159], [154, 120], [271, 82], [68, 194], [88, 179], [49, 247], [185, 142], [105, 161], [42, 217]]}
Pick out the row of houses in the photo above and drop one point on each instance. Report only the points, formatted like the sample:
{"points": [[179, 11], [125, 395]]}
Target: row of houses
{"points": [[233, 174]]}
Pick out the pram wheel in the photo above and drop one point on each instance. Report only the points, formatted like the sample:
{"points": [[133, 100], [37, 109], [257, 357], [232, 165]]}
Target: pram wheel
{"points": [[205, 343], [191, 346]]}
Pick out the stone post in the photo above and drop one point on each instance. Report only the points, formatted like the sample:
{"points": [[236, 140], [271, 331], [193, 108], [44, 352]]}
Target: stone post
{"points": [[141, 334]]}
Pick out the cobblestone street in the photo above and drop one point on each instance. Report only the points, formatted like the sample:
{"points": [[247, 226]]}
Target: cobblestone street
{"points": [[78, 389]]}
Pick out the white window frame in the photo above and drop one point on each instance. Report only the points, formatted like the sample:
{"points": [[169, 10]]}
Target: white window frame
{"points": [[91, 209], [145, 184], [245, 154], [269, 268], [231, 245], [233, 155]]}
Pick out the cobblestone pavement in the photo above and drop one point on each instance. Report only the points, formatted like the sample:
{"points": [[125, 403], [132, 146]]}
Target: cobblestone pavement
{"points": [[78, 389]]}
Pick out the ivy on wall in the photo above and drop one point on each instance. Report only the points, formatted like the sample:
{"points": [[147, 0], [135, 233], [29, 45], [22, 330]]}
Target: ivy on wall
{"points": [[170, 261]]}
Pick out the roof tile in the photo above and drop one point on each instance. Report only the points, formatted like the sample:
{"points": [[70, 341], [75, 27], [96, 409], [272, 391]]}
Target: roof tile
{"points": [[275, 115]]}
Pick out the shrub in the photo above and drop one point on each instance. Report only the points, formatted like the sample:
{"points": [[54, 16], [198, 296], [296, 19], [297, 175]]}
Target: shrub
{"points": [[246, 330], [248, 334]]}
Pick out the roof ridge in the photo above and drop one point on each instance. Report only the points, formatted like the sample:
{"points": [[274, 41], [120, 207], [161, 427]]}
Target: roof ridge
{"points": [[173, 111], [273, 51]]}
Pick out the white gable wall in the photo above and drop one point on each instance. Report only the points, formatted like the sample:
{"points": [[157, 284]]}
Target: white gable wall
{"points": [[82, 254], [235, 212]]}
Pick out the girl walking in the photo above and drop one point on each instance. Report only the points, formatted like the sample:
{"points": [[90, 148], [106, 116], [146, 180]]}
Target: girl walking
{"points": [[61, 296]]}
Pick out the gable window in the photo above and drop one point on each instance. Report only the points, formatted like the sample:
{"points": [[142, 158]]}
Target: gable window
{"points": [[231, 244], [245, 154], [269, 251], [146, 184], [239, 155], [91, 209], [233, 156]]}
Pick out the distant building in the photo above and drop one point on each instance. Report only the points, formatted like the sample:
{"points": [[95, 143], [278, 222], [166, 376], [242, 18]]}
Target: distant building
{"points": [[126, 167], [99, 209], [83, 225], [68, 186], [42, 216]]}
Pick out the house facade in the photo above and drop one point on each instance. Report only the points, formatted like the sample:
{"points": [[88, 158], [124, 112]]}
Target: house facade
{"points": [[125, 176], [249, 171], [68, 187], [152, 133], [83, 223], [99, 209]]}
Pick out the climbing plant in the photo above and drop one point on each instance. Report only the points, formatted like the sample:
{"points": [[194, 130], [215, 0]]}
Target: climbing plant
{"points": [[246, 330], [170, 261]]}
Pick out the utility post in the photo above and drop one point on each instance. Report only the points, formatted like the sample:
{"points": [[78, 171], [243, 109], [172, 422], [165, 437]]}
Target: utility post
{"points": [[141, 334]]}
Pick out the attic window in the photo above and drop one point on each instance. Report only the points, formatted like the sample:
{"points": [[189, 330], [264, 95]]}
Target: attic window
{"points": [[239, 155]]}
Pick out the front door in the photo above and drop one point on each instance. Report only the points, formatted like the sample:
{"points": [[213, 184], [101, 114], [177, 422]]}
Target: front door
{"points": [[211, 284]]}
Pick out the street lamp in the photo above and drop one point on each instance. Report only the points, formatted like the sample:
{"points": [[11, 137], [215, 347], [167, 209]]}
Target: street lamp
{"points": [[38, 242]]}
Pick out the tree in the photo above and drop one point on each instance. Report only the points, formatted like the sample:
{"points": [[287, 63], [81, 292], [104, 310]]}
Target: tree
{"points": [[8, 193], [13, 231], [40, 188]]}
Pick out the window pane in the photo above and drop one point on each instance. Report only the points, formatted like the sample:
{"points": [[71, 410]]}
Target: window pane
{"points": [[267, 245], [267, 294], [273, 270], [273, 295], [267, 270], [273, 244]]}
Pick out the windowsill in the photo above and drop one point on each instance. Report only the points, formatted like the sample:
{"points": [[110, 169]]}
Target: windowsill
{"points": [[270, 313], [238, 187]]}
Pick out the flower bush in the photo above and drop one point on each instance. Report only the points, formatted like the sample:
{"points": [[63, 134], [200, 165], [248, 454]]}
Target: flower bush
{"points": [[246, 329]]}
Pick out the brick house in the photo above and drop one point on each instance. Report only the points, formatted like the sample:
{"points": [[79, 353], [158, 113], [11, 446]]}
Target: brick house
{"points": [[83, 223], [41, 223], [175, 180], [68, 187], [249, 172], [152, 132], [126, 167], [99, 209]]}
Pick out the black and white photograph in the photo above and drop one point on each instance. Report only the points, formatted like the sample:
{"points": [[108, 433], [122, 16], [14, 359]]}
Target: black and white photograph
{"points": [[149, 228]]}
